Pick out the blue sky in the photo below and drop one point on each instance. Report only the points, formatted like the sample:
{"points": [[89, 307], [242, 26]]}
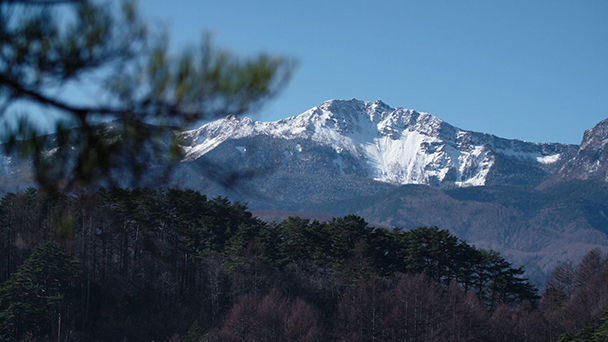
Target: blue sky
{"points": [[531, 70]]}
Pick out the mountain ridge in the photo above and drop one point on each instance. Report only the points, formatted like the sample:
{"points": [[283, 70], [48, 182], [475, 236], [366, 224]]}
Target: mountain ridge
{"points": [[396, 145], [590, 161]]}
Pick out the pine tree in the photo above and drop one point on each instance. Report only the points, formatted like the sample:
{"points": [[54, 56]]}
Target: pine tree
{"points": [[194, 334], [38, 297]]}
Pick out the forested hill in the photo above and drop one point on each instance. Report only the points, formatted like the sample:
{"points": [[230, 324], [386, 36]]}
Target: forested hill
{"points": [[162, 265]]}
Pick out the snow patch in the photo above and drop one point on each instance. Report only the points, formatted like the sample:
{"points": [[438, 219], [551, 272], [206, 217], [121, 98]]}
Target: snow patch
{"points": [[603, 214], [537, 156], [550, 159], [339, 163]]}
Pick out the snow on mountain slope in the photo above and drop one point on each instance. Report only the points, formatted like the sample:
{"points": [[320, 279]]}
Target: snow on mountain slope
{"points": [[399, 146]]}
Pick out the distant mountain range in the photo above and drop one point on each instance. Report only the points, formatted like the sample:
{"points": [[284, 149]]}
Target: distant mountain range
{"points": [[380, 143], [538, 203]]}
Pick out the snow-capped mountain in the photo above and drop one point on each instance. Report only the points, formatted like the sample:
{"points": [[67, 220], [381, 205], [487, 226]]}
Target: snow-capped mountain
{"points": [[372, 140]]}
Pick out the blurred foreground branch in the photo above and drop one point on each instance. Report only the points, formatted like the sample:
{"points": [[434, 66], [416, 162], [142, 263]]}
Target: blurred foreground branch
{"points": [[50, 48]]}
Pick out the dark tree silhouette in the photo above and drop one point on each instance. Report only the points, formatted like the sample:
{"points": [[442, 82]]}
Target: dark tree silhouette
{"points": [[38, 298]]}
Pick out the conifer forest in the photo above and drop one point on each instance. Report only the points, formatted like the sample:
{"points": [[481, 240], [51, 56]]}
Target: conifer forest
{"points": [[173, 265]]}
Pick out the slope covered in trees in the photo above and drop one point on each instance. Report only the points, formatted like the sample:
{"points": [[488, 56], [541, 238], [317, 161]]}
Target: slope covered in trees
{"points": [[148, 264]]}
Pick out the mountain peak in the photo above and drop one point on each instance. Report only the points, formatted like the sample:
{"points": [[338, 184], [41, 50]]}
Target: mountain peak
{"points": [[597, 137], [380, 104], [337, 105], [373, 111], [354, 103], [591, 160]]}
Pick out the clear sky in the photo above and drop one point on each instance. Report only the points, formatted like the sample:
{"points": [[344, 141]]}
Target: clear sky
{"points": [[531, 70]]}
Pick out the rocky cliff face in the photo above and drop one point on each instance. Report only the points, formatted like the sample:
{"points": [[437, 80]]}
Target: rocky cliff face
{"points": [[591, 160]]}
